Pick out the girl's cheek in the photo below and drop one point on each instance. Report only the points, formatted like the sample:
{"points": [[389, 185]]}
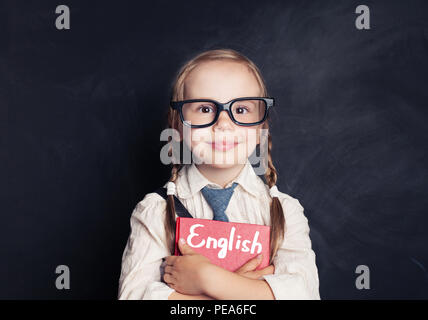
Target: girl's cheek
{"points": [[196, 140], [200, 137], [251, 139], [194, 137]]}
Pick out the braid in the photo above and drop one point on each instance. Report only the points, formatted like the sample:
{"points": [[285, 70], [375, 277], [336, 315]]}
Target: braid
{"points": [[170, 211], [276, 212], [270, 174]]}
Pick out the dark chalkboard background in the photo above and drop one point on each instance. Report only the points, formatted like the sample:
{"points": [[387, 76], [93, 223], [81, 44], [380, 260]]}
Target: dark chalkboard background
{"points": [[82, 110]]}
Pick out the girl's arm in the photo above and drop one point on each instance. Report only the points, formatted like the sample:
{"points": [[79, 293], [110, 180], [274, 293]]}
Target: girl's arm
{"points": [[222, 284], [194, 274], [143, 254]]}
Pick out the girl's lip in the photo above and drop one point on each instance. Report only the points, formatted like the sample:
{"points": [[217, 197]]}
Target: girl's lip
{"points": [[223, 146]]}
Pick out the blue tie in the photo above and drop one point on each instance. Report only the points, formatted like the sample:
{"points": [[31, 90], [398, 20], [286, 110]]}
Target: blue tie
{"points": [[218, 199]]}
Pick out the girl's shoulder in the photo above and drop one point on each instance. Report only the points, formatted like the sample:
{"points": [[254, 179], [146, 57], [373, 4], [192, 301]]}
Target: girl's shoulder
{"points": [[151, 206], [151, 199], [287, 201], [148, 217], [293, 210]]}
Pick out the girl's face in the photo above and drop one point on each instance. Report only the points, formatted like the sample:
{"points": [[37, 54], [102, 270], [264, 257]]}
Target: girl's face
{"points": [[224, 144]]}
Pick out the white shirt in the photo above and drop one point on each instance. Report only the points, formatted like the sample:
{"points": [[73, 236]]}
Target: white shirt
{"points": [[295, 276]]}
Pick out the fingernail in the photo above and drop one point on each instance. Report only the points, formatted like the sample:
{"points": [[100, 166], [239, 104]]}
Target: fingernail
{"points": [[259, 256], [182, 241]]}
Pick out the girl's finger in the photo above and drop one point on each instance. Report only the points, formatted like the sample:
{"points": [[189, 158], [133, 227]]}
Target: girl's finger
{"points": [[271, 268], [268, 270], [252, 275], [168, 278], [250, 264], [169, 269], [170, 260]]}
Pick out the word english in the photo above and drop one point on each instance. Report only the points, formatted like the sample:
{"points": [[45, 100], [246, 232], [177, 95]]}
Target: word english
{"points": [[225, 244]]}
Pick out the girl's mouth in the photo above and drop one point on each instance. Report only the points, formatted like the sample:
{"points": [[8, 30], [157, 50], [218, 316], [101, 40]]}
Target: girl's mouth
{"points": [[223, 146]]}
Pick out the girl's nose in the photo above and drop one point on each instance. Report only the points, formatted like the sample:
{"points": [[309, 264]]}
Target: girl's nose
{"points": [[224, 122]]}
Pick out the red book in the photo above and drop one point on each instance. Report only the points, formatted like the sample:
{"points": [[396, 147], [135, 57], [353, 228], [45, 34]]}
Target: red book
{"points": [[226, 244]]}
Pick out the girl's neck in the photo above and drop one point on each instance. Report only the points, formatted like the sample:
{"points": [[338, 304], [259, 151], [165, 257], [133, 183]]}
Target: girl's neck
{"points": [[220, 176]]}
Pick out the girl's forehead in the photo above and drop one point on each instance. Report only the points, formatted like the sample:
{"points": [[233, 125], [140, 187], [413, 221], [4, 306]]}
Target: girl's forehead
{"points": [[221, 80]]}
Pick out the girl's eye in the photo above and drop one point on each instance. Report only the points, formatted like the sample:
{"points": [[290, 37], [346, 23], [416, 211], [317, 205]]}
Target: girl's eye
{"points": [[205, 109], [241, 110]]}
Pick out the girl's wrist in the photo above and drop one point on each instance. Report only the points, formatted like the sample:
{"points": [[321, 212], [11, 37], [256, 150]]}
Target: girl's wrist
{"points": [[205, 276]]}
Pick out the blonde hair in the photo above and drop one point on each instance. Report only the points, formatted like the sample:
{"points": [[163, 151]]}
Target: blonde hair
{"points": [[276, 211]]}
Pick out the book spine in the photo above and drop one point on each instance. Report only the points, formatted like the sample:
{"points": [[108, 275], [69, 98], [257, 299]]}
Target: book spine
{"points": [[268, 250], [177, 236]]}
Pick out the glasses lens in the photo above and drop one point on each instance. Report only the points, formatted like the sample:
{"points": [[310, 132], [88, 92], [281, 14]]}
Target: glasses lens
{"points": [[249, 111], [199, 113]]}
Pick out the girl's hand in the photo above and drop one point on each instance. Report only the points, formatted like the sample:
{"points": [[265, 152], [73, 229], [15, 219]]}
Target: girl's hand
{"points": [[248, 269], [184, 273]]}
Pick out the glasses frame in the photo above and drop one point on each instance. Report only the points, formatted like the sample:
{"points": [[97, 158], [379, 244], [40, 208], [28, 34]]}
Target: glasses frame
{"points": [[178, 105]]}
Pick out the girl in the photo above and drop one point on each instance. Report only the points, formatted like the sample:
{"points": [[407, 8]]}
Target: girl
{"points": [[221, 118]]}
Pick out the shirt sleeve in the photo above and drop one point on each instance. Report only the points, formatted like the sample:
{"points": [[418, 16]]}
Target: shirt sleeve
{"points": [[296, 274], [142, 260]]}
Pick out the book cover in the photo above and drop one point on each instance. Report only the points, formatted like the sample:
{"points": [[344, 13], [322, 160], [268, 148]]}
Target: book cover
{"points": [[226, 244]]}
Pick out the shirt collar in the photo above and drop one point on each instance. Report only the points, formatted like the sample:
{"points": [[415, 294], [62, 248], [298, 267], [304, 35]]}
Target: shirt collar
{"points": [[191, 181]]}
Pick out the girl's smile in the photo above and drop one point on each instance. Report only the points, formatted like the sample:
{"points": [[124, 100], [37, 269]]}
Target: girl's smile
{"points": [[223, 145]]}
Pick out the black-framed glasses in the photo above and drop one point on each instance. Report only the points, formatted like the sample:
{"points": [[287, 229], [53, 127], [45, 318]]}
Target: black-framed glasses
{"points": [[245, 111]]}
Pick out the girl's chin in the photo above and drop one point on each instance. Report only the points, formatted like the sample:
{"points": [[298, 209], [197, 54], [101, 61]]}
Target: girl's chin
{"points": [[221, 159], [221, 165]]}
